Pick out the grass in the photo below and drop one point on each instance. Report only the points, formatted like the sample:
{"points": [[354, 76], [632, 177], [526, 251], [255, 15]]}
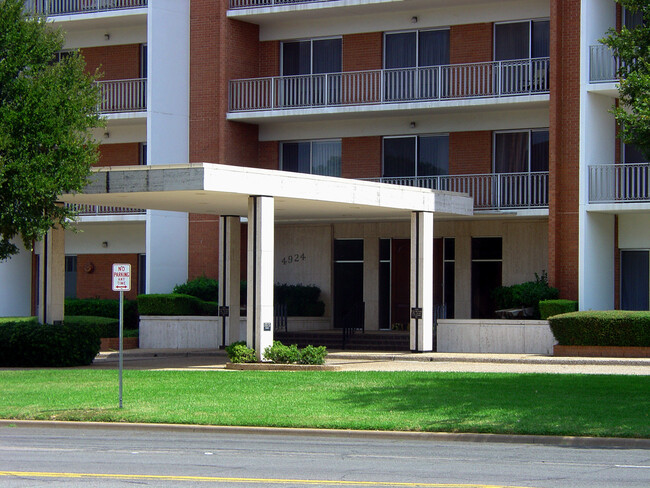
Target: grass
{"points": [[582, 405]]}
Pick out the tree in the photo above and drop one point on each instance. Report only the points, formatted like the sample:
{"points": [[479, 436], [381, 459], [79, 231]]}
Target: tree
{"points": [[47, 108], [632, 48]]}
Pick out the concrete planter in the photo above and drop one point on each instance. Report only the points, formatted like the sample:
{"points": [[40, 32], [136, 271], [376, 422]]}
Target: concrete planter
{"points": [[113, 343], [495, 336], [601, 351], [179, 332], [281, 367]]}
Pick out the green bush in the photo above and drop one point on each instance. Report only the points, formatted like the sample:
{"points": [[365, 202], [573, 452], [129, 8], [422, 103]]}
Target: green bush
{"points": [[525, 295], [313, 355], [18, 319], [203, 288], [238, 352], [95, 307], [548, 308], [105, 326], [301, 300], [279, 353], [609, 328], [34, 345], [174, 304]]}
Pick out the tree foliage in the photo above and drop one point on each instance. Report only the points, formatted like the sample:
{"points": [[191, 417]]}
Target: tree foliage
{"points": [[47, 107], [632, 48]]}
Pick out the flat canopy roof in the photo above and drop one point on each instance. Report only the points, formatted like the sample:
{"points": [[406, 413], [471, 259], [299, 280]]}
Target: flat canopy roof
{"points": [[224, 190]]}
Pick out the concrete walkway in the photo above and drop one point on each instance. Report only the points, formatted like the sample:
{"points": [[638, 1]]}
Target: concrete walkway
{"points": [[215, 360]]}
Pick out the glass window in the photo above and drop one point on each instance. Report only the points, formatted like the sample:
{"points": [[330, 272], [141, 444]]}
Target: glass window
{"points": [[632, 20], [633, 154], [416, 48], [486, 248], [522, 40], [521, 152], [311, 56], [416, 155], [311, 157], [348, 250]]}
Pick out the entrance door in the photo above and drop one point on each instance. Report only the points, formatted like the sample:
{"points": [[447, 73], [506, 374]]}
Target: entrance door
{"points": [[486, 275], [400, 282], [635, 282], [348, 283]]}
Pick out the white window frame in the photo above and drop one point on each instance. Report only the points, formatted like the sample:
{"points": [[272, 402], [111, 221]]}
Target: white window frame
{"points": [[311, 52], [417, 142], [515, 131], [521, 21], [417, 43]]}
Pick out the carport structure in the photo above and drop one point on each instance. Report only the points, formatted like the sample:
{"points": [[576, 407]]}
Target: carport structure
{"points": [[267, 197]]}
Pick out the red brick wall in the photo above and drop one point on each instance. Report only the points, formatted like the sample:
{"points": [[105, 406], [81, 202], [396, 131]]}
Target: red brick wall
{"points": [[362, 51], [115, 62], [563, 146], [119, 154], [269, 157], [361, 157], [470, 152], [269, 53], [97, 283], [470, 43], [204, 246]]}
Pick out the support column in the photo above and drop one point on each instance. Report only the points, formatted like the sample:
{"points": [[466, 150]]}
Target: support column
{"points": [[52, 277], [421, 329], [259, 318], [229, 258]]}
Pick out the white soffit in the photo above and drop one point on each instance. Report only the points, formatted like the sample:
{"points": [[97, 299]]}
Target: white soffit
{"points": [[224, 190]]}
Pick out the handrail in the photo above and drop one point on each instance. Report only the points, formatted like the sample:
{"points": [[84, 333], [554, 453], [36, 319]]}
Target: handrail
{"points": [[84, 209], [123, 95], [491, 191], [603, 65], [619, 183], [433, 83], [67, 7], [239, 4]]}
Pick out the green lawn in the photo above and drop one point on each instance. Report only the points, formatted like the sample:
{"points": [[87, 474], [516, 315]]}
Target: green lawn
{"points": [[454, 402]]}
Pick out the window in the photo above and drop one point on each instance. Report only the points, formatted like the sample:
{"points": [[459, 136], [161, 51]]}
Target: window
{"points": [[416, 155], [522, 40], [633, 154], [70, 277], [521, 151], [143, 153], [487, 266], [312, 157], [142, 274], [421, 50], [632, 20]]}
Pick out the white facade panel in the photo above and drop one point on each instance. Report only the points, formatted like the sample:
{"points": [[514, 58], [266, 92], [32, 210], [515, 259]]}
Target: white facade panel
{"points": [[120, 238], [16, 284]]}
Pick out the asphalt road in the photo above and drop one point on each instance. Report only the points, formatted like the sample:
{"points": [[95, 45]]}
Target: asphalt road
{"points": [[109, 457]]}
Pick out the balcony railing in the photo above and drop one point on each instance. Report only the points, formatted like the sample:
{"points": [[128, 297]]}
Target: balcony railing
{"points": [[123, 95], [83, 209], [619, 183], [235, 4], [603, 65], [447, 82], [496, 191], [67, 7]]}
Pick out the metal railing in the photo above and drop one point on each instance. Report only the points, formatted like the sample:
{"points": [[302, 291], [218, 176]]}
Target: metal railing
{"points": [[66, 7], [447, 82], [83, 209], [619, 183], [494, 191], [123, 95], [236, 4], [603, 65]]}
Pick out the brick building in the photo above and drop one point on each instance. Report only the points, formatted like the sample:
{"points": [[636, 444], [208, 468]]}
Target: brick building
{"points": [[505, 100]]}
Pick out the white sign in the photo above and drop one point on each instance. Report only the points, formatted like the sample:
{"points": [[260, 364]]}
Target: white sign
{"points": [[121, 277]]}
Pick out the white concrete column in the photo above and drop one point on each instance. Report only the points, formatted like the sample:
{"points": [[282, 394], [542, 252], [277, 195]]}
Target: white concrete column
{"points": [[52, 277], [421, 328], [229, 262], [259, 315], [16, 283], [597, 252]]}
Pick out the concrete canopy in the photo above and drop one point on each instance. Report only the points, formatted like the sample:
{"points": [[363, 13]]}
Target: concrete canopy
{"points": [[224, 190]]}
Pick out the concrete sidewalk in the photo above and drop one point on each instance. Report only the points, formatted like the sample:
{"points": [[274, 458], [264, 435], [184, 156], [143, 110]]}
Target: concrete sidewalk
{"points": [[211, 359]]}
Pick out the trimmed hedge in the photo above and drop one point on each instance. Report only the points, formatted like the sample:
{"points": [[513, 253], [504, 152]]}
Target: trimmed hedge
{"points": [[609, 328], [525, 295], [34, 345], [548, 308], [203, 288], [301, 300], [4, 320], [175, 304], [95, 307], [105, 326]]}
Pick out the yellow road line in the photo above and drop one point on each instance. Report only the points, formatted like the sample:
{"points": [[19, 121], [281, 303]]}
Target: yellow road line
{"points": [[37, 474]]}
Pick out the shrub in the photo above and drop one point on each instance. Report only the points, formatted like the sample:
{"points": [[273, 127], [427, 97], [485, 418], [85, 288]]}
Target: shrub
{"points": [[548, 308], [279, 353], [526, 295], [174, 304], [18, 319], [301, 300], [96, 307], [203, 288], [238, 352], [610, 328], [313, 355], [105, 326], [33, 345]]}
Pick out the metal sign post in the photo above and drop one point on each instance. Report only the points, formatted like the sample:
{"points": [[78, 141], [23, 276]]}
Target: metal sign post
{"points": [[121, 279]]}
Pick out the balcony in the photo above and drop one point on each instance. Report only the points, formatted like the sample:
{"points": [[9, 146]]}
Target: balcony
{"points": [[387, 87], [53, 8], [619, 183], [237, 4], [491, 192], [120, 96], [85, 210], [603, 66]]}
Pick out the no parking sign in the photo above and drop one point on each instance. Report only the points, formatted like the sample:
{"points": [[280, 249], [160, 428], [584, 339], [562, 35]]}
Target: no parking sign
{"points": [[121, 277]]}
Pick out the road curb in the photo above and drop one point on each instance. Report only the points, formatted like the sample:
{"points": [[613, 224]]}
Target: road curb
{"points": [[563, 441]]}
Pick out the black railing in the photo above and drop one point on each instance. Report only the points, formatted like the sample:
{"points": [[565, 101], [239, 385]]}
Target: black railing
{"points": [[352, 321], [280, 317]]}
